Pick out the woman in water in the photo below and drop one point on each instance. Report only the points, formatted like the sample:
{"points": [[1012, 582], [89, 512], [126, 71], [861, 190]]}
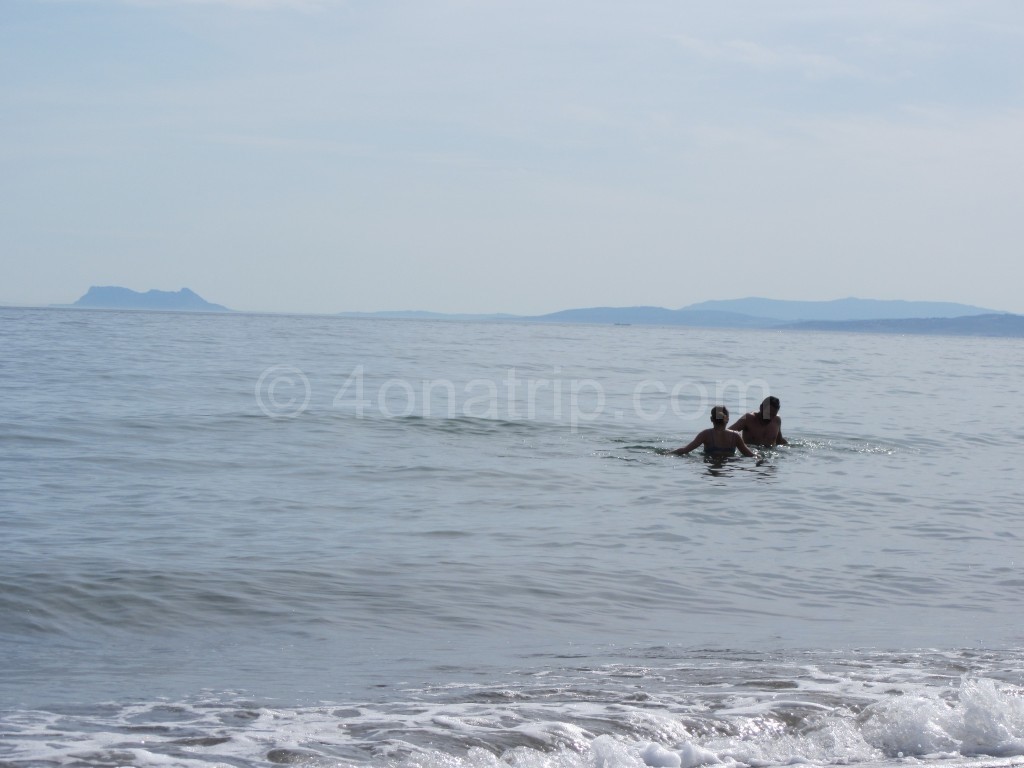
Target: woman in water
{"points": [[718, 442]]}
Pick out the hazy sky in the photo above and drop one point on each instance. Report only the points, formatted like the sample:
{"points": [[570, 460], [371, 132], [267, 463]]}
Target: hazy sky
{"points": [[512, 155]]}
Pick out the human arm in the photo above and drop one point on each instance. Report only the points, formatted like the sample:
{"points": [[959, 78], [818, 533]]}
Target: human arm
{"points": [[697, 441], [739, 424], [744, 448], [779, 439]]}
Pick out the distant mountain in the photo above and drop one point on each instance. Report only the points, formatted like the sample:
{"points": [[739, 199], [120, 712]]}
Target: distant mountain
{"points": [[655, 316], [596, 315], [115, 297], [763, 313], [871, 314], [971, 325], [839, 309]]}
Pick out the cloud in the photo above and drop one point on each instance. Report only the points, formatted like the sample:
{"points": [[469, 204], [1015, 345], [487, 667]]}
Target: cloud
{"points": [[765, 58], [242, 5]]}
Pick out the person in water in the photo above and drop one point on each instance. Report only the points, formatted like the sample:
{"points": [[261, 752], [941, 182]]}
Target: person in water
{"points": [[718, 442], [763, 426]]}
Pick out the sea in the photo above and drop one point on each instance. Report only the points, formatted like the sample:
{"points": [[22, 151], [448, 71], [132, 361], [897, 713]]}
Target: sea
{"points": [[259, 540]]}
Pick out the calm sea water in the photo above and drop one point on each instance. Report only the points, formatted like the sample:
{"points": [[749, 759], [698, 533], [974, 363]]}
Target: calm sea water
{"points": [[253, 540]]}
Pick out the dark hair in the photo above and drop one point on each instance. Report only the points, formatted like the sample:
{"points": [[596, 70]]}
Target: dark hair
{"points": [[719, 414], [770, 404]]}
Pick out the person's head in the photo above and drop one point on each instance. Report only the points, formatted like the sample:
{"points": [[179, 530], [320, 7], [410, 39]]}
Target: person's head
{"points": [[719, 415], [770, 408]]}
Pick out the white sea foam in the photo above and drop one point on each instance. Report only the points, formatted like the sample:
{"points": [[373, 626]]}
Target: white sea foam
{"points": [[985, 718], [965, 722]]}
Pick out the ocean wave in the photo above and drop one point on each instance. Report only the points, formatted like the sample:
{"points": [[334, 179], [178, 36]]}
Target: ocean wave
{"points": [[739, 714]]}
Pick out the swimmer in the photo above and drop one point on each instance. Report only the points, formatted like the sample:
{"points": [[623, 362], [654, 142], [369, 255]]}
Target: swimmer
{"points": [[763, 426], [718, 442]]}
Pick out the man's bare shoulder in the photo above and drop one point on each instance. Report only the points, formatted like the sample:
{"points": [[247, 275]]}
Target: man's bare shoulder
{"points": [[743, 421]]}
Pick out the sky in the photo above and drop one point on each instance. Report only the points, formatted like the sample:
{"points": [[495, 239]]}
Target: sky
{"points": [[520, 156]]}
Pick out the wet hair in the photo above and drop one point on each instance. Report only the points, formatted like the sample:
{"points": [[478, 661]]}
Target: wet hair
{"points": [[719, 414], [769, 406]]}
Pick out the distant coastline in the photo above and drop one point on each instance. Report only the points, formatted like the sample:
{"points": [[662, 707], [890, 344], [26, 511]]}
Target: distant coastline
{"points": [[851, 315]]}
